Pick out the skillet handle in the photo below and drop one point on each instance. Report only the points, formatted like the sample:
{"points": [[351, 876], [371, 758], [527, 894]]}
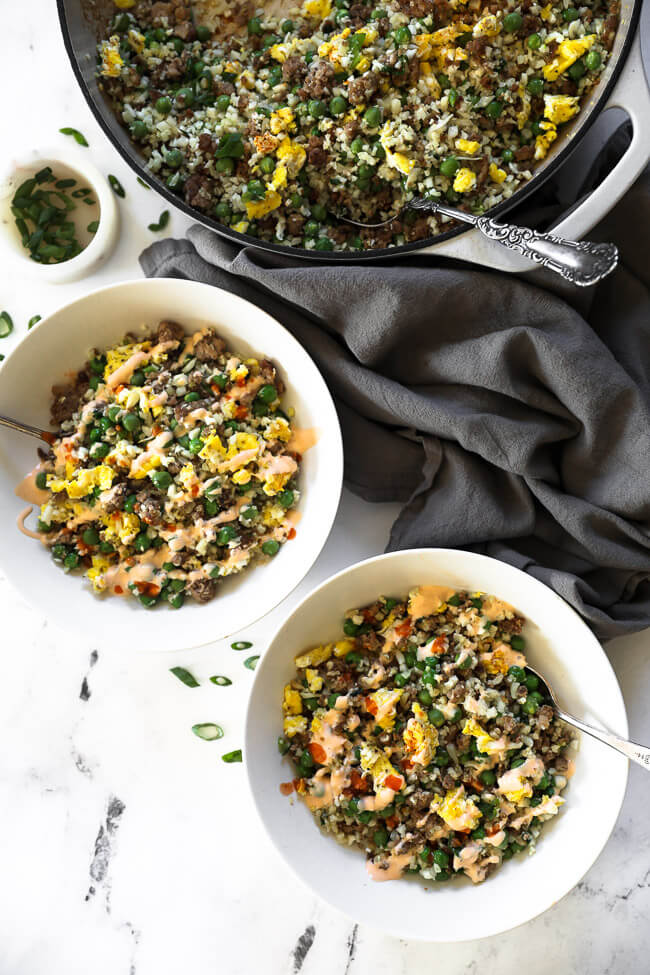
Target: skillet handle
{"points": [[631, 93]]}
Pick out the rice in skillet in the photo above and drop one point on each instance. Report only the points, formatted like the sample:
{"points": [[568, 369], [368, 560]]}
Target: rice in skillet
{"points": [[352, 107]]}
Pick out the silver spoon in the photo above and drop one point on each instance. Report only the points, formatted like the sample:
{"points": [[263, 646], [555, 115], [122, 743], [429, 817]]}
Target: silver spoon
{"points": [[580, 262], [6, 421], [637, 753]]}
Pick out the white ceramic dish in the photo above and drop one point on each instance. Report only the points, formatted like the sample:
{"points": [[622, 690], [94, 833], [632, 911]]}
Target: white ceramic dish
{"points": [[558, 643], [61, 343], [65, 162]]}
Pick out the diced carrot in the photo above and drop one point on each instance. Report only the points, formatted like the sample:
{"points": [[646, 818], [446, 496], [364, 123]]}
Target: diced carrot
{"points": [[439, 645], [317, 752], [292, 533], [403, 629], [299, 786], [118, 590], [492, 829], [241, 413], [392, 822], [286, 788], [195, 490], [241, 380], [358, 782], [476, 784], [371, 706], [156, 430], [147, 588], [394, 782]]}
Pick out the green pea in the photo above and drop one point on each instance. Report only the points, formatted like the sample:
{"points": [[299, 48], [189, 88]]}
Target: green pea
{"points": [[99, 450], [512, 22], [449, 166], [163, 105], [441, 758], [350, 628], [250, 513], [380, 836], [131, 422], [71, 561], [570, 14], [137, 379], [457, 715], [271, 547], [106, 548], [353, 658], [517, 673], [378, 14], [356, 145], [401, 680], [226, 534], [535, 86], [41, 480], [161, 479], [441, 859], [267, 165], [141, 542], [113, 413], [268, 393], [254, 25], [210, 508], [402, 35], [316, 107], [372, 116], [191, 397], [507, 155], [285, 498], [436, 717], [222, 103], [139, 129], [318, 211], [517, 643], [494, 109], [226, 166], [425, 698], [488, 777], [255, 190], [532, 682], [59, 552], [338, 105], [534, 42], [530, 706], [91, 536], [593, 60], [203, 33], [577, 70], [129, 504], [324, 244]]}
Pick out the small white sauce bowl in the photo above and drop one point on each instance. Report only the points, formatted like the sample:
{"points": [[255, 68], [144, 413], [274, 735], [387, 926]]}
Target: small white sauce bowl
{"points": [[24, 166]]}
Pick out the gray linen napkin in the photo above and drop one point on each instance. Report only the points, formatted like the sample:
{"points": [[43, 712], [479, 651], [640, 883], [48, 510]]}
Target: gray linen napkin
{"points": [[509, 419]]}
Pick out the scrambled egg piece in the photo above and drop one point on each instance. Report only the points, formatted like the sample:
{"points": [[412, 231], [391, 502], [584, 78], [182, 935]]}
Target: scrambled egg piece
{"points": [[336, 48], [187, 476], [124, 4], [545, 12], [458, 810], [426, 44], [468, 145], [487, 26], [259, 208], [277, 428], [395, 159], [314, 657], [341, 647], [111, 58], [485, 744], [119, 355], [150, 464], [385, 702], [420, 737], [239, 442], [464, 181], [292, 155], [136, 40], [274, 484], [292, 702], [318, 8], [496, 174], [96, 573], [282, 120], [314, 680], [426, 72], [567, 54], [375, 761], [560, 108], [213, 451], [83, 482], [241, 226], [294, 725], [242, 476], [122, 525], [524, 113], [544, 139], [279, 177]]}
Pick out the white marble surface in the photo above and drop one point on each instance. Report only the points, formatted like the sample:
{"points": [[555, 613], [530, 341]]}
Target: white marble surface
{"points": [[180, 878]]}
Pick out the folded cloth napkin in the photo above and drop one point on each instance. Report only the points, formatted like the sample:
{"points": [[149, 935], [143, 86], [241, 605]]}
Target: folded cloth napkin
{"points": [[508, 418]]}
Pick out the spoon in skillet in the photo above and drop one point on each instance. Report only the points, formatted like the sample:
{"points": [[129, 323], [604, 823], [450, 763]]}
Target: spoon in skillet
{"points": [[637, 753], [6, 421], [582, 263]]}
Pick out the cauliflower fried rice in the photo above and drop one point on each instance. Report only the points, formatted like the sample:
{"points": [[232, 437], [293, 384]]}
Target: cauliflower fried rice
{"points": [[174, 467], [421, 738], [348, 107]]}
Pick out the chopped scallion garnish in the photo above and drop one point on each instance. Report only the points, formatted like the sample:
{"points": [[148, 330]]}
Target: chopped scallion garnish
{"points": [[6, 324], [208, 731], [231, 757], [241, 645], [184, 676], [76, 135], [220, 680], [251, 662], [116, 186]]}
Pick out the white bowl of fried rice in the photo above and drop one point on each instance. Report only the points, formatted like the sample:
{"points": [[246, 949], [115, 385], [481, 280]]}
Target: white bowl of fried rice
{"points": [[195, 474], [395, 734]]}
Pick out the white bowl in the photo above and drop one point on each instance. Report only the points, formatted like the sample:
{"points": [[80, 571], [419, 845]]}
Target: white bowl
{"points": [[23, 166], [60, 344], [558, 643]]}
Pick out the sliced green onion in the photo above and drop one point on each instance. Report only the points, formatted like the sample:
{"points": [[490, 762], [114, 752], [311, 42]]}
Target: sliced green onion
{"points": [[92, 226], [7, 326], [44, 175], [116, 186], [231, 757], [2, 358], [65, 184], [163, 220], [251, 662], [184, 676], [241, 645], [142, 183], [33, 320], [208, 731], [76, 135], [220, 680]]}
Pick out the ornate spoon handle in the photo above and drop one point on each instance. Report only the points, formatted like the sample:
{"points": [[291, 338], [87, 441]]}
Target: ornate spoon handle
{"points": [[6, 421], [637, 753], [580, 262]]}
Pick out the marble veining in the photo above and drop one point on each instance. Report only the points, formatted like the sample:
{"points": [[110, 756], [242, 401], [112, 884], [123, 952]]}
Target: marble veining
{"points": [[127, 847]]}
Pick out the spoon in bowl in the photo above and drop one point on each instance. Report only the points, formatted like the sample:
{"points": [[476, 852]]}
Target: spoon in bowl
{"points": [[637, 753], [6, 421]]}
